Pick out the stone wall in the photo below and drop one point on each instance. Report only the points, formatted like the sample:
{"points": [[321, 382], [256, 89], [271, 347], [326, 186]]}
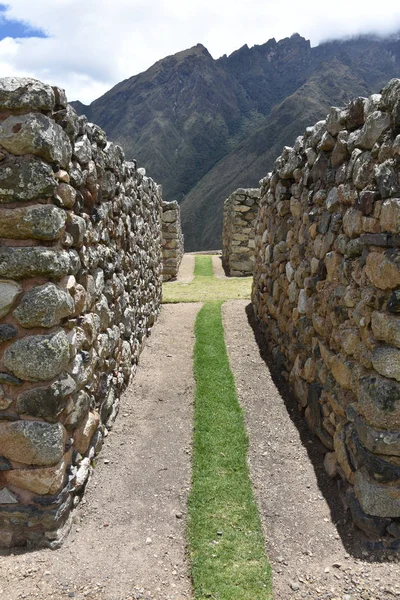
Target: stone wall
{"points": [[80, 286], [172, 240], [240, 213], [327, 293]]}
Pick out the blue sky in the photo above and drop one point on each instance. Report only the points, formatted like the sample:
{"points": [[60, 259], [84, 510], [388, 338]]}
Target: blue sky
{"points": [[16, 29], [87, 46]]}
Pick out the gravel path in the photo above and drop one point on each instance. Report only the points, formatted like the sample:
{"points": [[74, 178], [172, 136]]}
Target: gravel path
{"points": [[315, 551], [217, 266], [128, 538]]}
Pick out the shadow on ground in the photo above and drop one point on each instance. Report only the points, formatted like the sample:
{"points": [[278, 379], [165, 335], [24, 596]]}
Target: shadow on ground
{"points": [[354, 540]]}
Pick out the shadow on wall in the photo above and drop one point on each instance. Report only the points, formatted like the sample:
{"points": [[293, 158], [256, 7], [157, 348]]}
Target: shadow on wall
{"points": [[333, 490]]}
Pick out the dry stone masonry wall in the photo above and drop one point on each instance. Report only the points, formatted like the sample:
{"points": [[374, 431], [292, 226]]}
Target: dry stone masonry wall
{"points": [[172, 239], [80, 286], [327, 293], [240, 212]]}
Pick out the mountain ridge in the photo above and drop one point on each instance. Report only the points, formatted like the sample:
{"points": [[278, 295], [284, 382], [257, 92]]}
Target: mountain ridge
{"points": [[203, 126]]}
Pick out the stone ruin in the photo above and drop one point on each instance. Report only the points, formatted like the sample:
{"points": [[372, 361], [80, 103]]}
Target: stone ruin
{"points": [[80, 287], [172, 240], [238, 232], [326, 292]]}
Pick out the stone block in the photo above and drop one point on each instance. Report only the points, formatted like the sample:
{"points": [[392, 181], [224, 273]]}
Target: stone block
{"points": [[386, 360], [25, 93], [46, 402], [38, 357], [46, 480], [26, 262], [383, 270], [379, 401], [9, 291], [83, 434], [376, 499], [39, 222], [390, 215], [25, 178], [386, 327], [32, 442], [36, 134]]}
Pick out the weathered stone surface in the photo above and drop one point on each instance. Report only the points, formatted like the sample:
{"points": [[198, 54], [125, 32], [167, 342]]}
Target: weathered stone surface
{"points": [[386, 360], [44, 306], [9, 291], [373, 527], [25, 178], [25, 93], [390, 215], [376, 123], [46, 480], [39, 222], [32, 442], [38, 357], [78, 408], [20, 263], [67, 194], [376, 499], [47, 402], [335, 322], [38, 135], [7, 332], [82, 149], [379, 401], [386, 327], [83, 434], [383, 272]]}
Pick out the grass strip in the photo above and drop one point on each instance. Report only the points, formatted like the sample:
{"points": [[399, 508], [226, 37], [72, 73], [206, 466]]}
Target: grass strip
{"points": [[205, 287], [224, 530]]}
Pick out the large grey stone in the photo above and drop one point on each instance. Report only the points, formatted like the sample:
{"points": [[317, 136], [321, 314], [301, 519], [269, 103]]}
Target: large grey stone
{"points": [[18, 263], [32, 442], [376, 499], [9, 291], [378, 441], [25, 178], [38, 357], [379, 401], [25, 93], [82, 149], [41, 222], [47, 402], [44, 306], [386, 360], [38, 135], [376, 123]]}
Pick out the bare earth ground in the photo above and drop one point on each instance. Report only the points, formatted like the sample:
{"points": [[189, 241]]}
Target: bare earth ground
{"points": [[128, 540], [314, 549]]}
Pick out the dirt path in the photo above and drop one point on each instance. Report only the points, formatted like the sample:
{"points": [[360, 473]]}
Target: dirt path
{"points": [[186, 269], [217, 266], [128, 538], [314, 549]]}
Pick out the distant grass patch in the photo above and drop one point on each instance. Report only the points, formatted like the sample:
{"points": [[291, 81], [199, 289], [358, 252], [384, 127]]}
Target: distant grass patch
{"points": [[225, 539], [205, 287]]}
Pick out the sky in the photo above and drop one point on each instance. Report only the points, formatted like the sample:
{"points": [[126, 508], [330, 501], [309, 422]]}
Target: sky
{"points": [[87, 46]]}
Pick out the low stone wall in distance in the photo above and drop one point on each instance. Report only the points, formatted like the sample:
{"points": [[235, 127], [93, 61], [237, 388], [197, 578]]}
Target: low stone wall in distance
{"points": [[80, 287], [172, 240], [240, 213], [327, 293]]}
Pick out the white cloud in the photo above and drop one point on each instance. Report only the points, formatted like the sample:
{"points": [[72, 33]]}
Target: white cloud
{"points": [[94, 44]]}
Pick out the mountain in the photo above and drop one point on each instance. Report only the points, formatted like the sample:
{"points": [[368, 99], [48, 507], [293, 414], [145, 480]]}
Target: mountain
{"points": [[203, 127]]}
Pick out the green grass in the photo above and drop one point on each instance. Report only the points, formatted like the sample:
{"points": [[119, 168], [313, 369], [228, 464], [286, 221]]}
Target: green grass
{"points": [[205, 287], [225, 540]]}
